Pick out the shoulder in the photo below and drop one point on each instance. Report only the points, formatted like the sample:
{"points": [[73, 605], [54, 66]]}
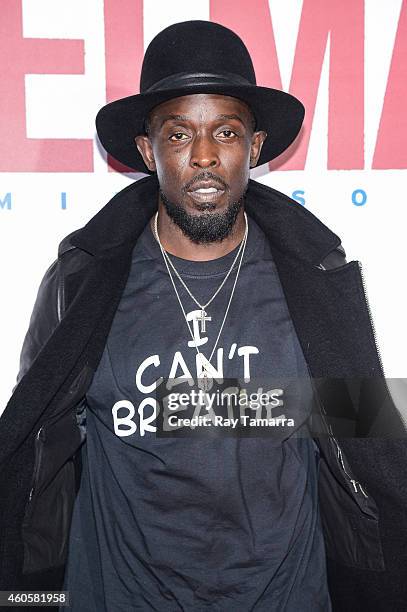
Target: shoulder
{"points": [[294, 228], [50, 294], [66, 243], [334, 259], [70, 257]]}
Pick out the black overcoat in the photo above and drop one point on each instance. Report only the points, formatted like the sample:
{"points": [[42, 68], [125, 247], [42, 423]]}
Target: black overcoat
{"points": [[333, 323]]}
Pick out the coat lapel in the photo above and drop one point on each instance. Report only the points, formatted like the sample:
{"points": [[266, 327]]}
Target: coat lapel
{"points": [[327, 307], [92, 299]]}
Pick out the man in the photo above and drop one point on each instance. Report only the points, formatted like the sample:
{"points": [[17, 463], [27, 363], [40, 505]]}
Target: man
{"points": [[197, 274]]}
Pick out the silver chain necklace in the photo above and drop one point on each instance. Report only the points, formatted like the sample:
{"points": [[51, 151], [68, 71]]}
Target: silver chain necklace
{"points": [[203, 315], [203, 381]]}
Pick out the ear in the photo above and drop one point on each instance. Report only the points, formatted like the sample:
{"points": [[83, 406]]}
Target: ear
{"points": [[145, 148], [256, 146]]}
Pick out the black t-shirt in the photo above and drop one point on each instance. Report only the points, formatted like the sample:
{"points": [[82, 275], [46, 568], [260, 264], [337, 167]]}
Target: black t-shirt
{"points": [[211, 522]]}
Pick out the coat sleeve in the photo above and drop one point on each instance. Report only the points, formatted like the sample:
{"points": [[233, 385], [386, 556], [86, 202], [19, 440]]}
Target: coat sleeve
{"points": [[44, 319]]}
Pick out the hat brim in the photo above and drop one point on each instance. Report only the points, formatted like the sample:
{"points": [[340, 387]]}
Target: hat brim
{"points": [[278, 113]]}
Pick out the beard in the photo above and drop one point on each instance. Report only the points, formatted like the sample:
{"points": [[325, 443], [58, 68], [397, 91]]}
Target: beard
{"points": [[205, 227]]}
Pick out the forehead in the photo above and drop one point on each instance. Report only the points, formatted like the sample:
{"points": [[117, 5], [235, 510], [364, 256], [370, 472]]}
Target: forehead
{"points": [[199, 106]]}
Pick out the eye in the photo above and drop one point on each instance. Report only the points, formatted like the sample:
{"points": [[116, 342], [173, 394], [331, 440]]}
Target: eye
{"points": [[228, 134], [177, 136]]}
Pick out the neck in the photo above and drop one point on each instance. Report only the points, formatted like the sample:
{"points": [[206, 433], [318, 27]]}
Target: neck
{"points": [[176, 243]]}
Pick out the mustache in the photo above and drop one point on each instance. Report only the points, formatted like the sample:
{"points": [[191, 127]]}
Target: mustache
{"points": [[205, 176]]}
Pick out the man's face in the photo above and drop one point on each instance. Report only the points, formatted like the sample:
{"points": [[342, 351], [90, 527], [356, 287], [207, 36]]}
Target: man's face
{"points": [[202, 147]]}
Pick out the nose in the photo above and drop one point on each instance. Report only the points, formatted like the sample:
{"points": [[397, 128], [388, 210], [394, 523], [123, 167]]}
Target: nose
{"points": [[204, 153]]}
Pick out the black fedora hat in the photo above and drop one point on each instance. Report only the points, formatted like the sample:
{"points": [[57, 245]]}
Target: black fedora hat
{"points": [[197, 57]]}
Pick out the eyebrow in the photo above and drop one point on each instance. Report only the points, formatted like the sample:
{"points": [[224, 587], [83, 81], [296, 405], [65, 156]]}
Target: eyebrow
{"points": [[222, 117], [173, 118], [233, 116]]}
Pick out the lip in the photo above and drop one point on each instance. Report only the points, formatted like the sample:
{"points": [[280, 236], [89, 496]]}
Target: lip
{"points": [[206, 197], [205, 184]]}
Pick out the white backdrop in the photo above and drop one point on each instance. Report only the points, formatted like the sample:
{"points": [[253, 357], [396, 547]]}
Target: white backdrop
{"points": [[35, 215]]}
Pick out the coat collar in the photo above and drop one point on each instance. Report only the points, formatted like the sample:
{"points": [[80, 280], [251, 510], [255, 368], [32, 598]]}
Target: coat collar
{"points": [[291, 228]]}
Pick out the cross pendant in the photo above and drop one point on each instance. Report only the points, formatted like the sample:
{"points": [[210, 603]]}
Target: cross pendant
{"points": [[202, 318]]}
